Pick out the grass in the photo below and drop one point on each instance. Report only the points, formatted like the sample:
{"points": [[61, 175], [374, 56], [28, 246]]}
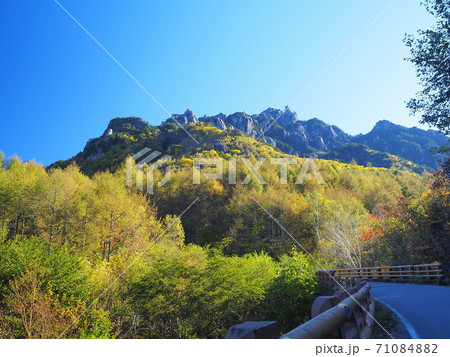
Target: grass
{"points": [[387, 319]]}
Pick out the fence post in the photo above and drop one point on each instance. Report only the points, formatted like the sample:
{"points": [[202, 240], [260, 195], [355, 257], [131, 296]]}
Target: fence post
{"points": [[322, 304]]}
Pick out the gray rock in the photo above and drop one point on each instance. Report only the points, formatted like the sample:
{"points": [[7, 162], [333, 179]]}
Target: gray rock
{"points": [[216, 121], [184, 119], [245, 123], [220, 146], [270, 141], [95, 156]]}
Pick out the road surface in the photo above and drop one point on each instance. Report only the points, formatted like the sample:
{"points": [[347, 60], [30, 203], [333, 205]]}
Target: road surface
{"points": [[423, 309]]}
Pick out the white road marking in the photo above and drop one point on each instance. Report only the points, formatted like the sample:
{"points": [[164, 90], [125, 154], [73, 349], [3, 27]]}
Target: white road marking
{"points": [[411, 330]]}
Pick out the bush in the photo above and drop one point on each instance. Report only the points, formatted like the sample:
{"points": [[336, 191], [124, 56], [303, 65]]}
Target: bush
{"points": [[199, 293], [42, 294], [292, 292]]}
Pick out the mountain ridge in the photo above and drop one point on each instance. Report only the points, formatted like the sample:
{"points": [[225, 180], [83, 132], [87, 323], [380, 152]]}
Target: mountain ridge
{"points": [[386, 145], [283, 130]]}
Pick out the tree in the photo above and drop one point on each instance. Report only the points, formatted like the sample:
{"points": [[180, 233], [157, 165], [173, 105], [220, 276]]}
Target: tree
{"points": [[433, 230], [121, 217], [414, 230], [430, 53], [292, 292], [2, 160], [21, 186], [340, 238], [43, 294]]}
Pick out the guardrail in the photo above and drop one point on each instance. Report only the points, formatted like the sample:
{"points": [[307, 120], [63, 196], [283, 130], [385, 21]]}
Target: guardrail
{"points": [[429, 271], [347, 314], [339, 316]]}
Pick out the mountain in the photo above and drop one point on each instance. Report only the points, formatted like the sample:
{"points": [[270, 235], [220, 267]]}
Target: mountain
{"points": [[283, 130], [279, 133], [410, 143], [124, 137]]}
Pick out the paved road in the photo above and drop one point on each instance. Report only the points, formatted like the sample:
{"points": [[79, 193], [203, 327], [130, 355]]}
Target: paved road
{"points": [[424, 309]]}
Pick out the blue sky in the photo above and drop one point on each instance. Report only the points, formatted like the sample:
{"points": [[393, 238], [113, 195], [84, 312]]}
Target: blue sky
{"points": [[58, 88]]}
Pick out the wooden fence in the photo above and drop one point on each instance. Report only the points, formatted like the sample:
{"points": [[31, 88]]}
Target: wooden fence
{"points": [[427, 271]]}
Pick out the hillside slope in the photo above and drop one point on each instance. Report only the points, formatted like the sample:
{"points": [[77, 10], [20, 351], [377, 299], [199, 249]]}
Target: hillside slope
{"points": [[227, 135]]}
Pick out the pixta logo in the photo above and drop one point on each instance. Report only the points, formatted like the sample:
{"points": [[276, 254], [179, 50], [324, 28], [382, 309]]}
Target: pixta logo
{"points": [[146, 161], [308, 167]]}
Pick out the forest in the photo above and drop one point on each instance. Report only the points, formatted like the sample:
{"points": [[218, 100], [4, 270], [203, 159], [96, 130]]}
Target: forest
{"points": [[89, 257]]}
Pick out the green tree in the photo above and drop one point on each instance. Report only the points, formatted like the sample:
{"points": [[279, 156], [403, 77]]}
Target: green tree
{"points": [[291, 294], [2, 160], [198, 292], [42, 294], [21, 189], [122, 217], [430, 53]]}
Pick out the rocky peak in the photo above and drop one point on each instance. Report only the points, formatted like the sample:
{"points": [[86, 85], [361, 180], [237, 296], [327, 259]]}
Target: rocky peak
{"points": [[410, 143], [330, 134], [291, 136], [184, 119], [221, 116], [384, 124], [286, 116], [294, 136], [274, 113], [245, 123], [121, 124], [189, 114], [215, 121]]}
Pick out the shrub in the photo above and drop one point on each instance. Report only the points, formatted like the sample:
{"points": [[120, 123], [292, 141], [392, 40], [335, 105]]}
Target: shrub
{"points": [[291, 294], [43, 293], [199, 293]]}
